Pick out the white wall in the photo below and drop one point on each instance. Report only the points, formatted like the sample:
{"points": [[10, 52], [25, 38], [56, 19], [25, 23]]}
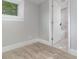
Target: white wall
{"points": [[12, 32], [44, 20], [73, 31], [31, 21], [18, 31]]}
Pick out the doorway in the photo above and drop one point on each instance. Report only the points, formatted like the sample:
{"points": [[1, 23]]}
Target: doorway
{"points": [[60, 25]]}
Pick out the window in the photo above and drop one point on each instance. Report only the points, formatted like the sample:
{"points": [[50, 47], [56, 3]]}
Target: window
{"points": [[9, 8], [13, 10]]}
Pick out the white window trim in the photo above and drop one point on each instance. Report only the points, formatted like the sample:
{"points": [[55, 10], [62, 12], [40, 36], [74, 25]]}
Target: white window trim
{"points": [[12, 17]]}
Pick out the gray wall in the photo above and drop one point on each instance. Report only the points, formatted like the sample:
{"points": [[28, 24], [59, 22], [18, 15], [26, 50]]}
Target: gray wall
{"points": [[19, 31], [73, 25], [44, 20], [31, 21], [12, 32]]}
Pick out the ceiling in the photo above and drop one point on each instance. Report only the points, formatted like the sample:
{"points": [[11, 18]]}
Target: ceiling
{"points": [[62, 1], [41, 1], [37, 1]]}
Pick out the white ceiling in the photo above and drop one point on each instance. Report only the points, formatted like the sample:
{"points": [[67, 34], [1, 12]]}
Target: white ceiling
{"points": [[37, 1], [41, 1], [62, 1]]}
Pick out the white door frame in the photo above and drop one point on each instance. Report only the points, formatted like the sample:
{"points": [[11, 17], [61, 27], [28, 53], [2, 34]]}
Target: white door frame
{"points": [[50, 21], [68, 24]]}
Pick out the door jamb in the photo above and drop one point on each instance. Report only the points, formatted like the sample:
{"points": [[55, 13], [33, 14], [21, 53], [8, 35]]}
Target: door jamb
{"points": [[50, 22], [69, 24]]}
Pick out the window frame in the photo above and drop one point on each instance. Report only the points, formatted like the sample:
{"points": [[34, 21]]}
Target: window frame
{"points": [[16, 14], [14, 17]]}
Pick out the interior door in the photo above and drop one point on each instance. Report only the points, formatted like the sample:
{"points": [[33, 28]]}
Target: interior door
{"points": [[60, 24], [64, 20], [57, 31]]}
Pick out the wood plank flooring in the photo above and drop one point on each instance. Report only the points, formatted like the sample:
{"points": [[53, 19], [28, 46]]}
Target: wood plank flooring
{"points": [[37, 51]]}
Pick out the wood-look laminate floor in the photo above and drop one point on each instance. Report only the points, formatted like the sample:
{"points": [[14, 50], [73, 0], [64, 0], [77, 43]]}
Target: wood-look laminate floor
{"points": [[37, 51]]}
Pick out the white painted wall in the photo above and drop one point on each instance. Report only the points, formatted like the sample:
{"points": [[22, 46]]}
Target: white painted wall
{"points": [[73, 24], [44, 20], [19, 31], [31, 20], [12, 32]]}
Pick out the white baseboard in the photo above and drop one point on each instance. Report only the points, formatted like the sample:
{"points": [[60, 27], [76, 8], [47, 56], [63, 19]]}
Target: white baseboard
{"points": [[18, 45], [44, 41], [73, 52], [21, 44]]}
